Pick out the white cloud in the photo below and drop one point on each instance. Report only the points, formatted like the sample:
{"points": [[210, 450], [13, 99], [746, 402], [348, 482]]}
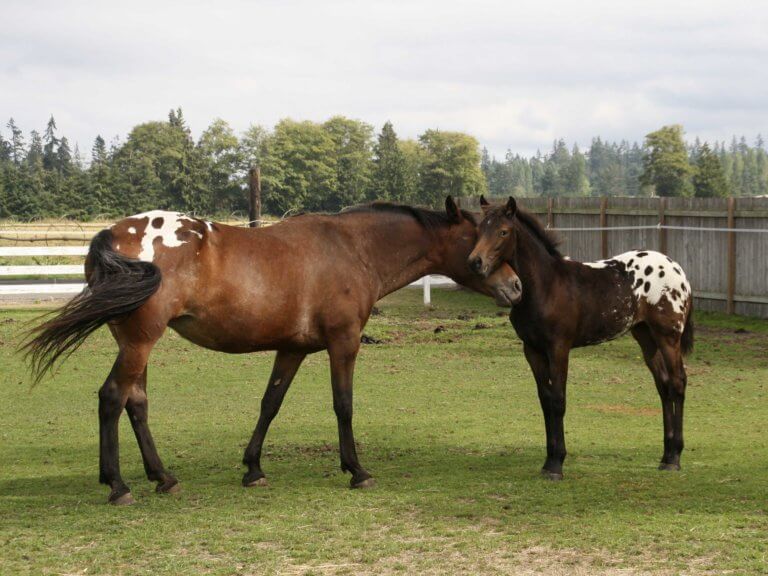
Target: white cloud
{"points": [[515, 76]]}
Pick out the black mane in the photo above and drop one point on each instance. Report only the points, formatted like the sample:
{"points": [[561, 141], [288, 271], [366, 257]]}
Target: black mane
{"points": [[549, 239], [429, 219]]}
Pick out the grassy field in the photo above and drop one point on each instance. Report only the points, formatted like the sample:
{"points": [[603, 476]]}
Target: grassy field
{"points": [[449, 424]]}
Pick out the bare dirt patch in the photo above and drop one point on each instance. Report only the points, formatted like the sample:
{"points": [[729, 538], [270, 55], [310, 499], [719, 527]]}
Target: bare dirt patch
{"points": [[532, 561]]}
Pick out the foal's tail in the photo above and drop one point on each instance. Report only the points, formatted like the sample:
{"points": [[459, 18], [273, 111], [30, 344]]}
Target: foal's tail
{"points": [[117, 285], [686, 342]]}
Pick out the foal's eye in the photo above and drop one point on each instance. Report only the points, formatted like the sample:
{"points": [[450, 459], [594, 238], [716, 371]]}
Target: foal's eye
{"points": [[503, 233]]}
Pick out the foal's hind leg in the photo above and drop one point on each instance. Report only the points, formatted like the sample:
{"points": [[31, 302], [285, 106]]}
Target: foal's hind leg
{"points": [[285, 368], [655, 362], [669, 346], [137, 407]]}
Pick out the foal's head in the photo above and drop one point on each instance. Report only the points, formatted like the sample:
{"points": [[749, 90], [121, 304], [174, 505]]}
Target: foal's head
{"points": [[496, 237], [500, 233]]}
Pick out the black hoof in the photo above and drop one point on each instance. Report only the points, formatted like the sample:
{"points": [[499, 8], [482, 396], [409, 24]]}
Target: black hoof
{"points": [[168, 486], [669, 467], [121, 497], [363, 483], [549, 475], [254, 479]]}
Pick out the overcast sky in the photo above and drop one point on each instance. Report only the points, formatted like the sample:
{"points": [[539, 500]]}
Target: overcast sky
{"points": [[516, 75]]}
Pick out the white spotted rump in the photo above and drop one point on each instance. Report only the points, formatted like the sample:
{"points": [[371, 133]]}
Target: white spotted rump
{"points": [[654, 276], [172, 222]]}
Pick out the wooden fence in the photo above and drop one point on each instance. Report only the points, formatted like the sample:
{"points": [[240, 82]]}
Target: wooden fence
{"points": [[722, 243]]}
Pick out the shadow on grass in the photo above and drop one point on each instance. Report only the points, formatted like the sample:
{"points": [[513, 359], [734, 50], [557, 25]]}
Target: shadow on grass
{"points": [[624, 483]]}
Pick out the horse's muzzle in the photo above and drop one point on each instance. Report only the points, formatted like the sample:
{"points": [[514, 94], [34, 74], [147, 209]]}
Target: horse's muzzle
{"points": [[507, 295], [477, 266]]}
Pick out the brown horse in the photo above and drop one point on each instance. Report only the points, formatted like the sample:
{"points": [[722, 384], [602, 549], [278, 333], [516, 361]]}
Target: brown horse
{"points": [[303, 285], [569, 304]]}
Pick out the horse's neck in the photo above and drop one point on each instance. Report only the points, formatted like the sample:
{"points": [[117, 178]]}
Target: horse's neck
{"points": [[534, 265], [407, 252]]}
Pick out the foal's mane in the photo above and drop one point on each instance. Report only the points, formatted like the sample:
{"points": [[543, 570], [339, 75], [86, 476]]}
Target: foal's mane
{"points": [[547, 238], [429, 219]]}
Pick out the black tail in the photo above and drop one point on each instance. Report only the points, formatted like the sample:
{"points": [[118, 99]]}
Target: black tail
{"points": [[117, 286], [686, 342]]}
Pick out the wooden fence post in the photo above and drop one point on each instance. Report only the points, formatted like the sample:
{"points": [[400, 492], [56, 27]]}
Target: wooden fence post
{"points": [[550, 215], [662, 222], [427, 290], [603, 224], [731, 307], [254, 197]]}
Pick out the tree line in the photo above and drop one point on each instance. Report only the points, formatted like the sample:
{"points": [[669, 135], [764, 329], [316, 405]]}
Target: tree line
{"points": [[305, 166], [665, 165], [310, 166]]}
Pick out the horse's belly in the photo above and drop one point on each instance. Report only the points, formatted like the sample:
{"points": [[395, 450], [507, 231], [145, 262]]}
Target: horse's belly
{"points": [[613, 319], [237, 335]]}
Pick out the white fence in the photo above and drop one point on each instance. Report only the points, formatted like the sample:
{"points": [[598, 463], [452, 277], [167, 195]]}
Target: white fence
{"points": [[77, 269], [16, 289]]}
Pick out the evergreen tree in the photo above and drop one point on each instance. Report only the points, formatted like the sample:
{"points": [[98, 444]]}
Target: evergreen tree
{"points": [[389, 173], [51, 145], [709, 179], [17, 143], [665, 162]]}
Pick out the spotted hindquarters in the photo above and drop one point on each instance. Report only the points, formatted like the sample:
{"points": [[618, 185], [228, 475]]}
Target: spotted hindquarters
{"points": [[148, 235], [117, 286]]}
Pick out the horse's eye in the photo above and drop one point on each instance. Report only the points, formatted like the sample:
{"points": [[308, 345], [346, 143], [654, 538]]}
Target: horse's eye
{"points": [[503, 233]]}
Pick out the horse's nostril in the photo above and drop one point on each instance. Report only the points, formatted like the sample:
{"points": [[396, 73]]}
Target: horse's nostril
{"points": [[475, 264], [518, 287]]}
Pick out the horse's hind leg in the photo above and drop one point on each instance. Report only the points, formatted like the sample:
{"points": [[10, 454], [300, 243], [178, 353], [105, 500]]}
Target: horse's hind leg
{"points": [[126, 373], [655, 362], [137, 407], [285, 368]]}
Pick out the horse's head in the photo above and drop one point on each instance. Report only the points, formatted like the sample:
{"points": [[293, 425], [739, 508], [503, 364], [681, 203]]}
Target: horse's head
{"points": [[497, 238], [502, 282]]}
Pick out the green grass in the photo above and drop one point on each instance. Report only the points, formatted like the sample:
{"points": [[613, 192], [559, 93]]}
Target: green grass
{"points": [[448, 423]]}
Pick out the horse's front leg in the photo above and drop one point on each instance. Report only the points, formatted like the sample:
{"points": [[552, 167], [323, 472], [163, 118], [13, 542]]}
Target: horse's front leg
{"points": [[342, 350], [554, 392], [285, 367]]}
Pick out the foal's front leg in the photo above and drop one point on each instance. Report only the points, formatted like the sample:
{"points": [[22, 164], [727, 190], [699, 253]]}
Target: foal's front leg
{"points": [[342, 351], [551, 373], [558, 378]]}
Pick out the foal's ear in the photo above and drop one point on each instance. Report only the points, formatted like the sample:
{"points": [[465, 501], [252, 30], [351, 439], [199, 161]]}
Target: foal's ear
{"points": [[484, 204], [511, 208], [453, 210]]}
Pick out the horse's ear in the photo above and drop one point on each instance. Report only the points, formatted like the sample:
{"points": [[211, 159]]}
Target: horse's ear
{"points": [[511, 208], [484, 204], [453, 210]]}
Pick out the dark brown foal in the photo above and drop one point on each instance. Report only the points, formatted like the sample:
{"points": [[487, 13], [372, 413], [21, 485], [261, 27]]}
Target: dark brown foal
{"points": [[303, 285], [569, 304]]}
